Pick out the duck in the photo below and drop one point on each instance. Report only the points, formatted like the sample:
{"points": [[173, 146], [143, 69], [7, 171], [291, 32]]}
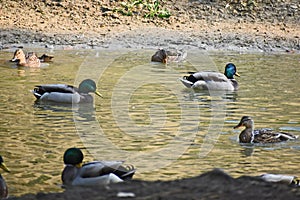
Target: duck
{"points": [[29, 60], [167, 56], [46, 58], [209, 80], [266, 135], [281, 178], [92, 173], [63, 93], [3, 186]]}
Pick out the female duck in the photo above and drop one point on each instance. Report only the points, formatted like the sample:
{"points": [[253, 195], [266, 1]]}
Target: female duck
{"points": [[92, 173], [249, 135], [61, 93], [46, 58], [31, 60], [3, 186], [208, 80], [165, 56]]}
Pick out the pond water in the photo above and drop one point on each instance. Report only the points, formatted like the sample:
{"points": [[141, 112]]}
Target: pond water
{"points": [[147, 117]]}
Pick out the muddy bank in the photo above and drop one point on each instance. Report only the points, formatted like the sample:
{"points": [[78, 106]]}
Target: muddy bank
{"points": [[223, 25], [211, 185]]}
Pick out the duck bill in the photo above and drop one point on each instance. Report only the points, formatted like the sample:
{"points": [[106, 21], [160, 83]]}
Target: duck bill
{"points": [[165, 61], [3, 166], [97, 93], [237, 74], [237, 126], [14, 60]]}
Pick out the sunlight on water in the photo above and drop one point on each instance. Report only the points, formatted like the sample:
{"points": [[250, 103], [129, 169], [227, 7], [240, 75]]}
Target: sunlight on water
{"points": [[147, 117]]}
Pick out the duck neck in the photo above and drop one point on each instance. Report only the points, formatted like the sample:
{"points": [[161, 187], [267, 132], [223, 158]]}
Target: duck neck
{"points": [[22, 60], [247, 134]]}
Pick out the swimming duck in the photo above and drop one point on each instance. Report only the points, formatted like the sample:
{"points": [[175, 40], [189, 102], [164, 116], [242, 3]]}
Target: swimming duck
{"points": [[249, 135], [3, 186], [46, 58], [209, 80], [62, 93], [280, 178], [30, 60], [93, 173], [166, 56]]}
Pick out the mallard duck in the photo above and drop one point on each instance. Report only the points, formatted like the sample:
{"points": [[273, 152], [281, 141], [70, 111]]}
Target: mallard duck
{"points": [[62, 93], [3, 186], [166, 56], [93, 173], [280, 178], [30, 60], [209, 80], [46, 58], [249, 135]]}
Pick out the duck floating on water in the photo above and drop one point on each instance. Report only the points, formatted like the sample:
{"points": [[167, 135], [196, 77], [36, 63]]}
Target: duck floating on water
{"points": [[280, 178], [249, 135], [46, 58], [3, 186], [167, 56], [62, 93], [209, 80], [29, 60], [93, 173]]}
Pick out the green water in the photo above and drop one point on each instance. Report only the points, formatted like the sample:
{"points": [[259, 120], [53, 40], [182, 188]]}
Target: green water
{"points": [[147, 117]]}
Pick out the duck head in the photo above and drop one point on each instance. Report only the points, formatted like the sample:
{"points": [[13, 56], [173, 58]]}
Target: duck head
{"points": [[245, 121], [160, 56], [230, 71], [2, 165], [87, 86], [73, 156], [19, 56]]}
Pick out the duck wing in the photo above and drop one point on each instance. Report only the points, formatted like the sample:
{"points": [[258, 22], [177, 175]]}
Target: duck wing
{"points": [[208, 80], [100, 168], [270, 136], [39, 90], [209, 76]]}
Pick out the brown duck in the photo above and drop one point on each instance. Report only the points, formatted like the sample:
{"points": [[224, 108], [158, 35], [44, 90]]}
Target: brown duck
{"points": [[29, 60], [249, 135], [166, 56]]}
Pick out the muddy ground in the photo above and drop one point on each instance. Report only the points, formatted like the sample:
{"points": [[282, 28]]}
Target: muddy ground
{"points": [[266, 26], [223, 25]]}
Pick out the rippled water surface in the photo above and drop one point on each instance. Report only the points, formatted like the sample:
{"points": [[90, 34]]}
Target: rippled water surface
{"points": [[147, 117]]}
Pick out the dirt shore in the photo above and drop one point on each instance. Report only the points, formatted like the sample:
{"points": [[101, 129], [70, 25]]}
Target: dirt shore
{"points": [[264, 26], [223, 25]]}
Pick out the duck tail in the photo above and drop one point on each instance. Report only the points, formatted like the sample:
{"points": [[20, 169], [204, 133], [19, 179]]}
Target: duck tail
{"points": [[287, 136], [125, 172], [37, 95]]}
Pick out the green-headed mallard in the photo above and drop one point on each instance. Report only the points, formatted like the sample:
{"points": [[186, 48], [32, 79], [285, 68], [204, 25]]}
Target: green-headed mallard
{"points": [[249, 135], [62, 93], [166, 56], [209, 80], [93, 173], [3, 186], [29, 60]]}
